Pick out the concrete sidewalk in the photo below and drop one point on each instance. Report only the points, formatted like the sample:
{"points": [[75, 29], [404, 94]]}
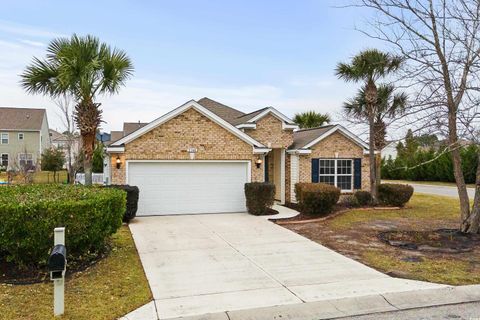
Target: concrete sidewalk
{"points": [[204, 264], [374, 305]]}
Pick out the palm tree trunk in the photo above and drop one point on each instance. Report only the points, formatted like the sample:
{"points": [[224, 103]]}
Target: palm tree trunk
{"points": [[371, 101], [373, 166], [378, 167], [88, 117], [88, 142]]}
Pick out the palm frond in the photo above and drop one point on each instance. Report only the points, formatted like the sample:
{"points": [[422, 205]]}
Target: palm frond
{"points": [[311, 119]]}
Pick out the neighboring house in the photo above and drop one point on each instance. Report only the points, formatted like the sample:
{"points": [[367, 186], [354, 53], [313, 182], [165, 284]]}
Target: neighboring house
{"points": [[390, 150], [61, 141], [108, 138], [23, 137], [197, 158]]}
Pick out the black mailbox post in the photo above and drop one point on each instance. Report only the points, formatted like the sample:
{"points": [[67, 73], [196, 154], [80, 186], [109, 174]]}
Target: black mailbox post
{"points": [[57, 261]]}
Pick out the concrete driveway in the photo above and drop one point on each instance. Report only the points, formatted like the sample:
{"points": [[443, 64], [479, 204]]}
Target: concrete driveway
{"points": [[200, 264]]}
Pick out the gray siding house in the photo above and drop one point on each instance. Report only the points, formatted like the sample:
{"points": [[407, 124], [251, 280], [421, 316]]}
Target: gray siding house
{"points": [[24, 134]]}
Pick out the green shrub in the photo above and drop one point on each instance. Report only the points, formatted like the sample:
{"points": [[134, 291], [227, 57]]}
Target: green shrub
{"points": [[29, 213], [364, 198], [316, 198], [132, 200], [260, 197], [349, 201], [396, 195]]}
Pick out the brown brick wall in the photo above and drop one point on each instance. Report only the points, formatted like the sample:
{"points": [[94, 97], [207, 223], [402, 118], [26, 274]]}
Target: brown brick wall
{"points": [[191, 129], [269, 131], [326, 148]]}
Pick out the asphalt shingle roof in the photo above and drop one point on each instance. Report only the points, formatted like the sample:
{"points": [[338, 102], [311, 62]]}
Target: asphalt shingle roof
{"points": [[129, 127], [21, 118], [247, 117], [227, 113], [303, 137]]}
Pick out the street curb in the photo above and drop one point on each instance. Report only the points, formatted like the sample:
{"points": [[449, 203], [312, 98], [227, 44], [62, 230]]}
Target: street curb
{"points": [[347, 307]]}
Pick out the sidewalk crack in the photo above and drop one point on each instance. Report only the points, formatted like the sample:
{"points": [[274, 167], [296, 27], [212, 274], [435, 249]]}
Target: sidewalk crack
{"points": [[381, 295]]}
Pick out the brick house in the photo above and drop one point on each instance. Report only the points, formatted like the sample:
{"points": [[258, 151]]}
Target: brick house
{"points": [[197, 158]]}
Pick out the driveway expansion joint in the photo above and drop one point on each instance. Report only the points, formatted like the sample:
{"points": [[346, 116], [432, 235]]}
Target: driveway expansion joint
{"points": [[252, 261]]}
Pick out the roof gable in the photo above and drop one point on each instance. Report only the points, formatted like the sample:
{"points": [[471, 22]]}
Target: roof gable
{"points": [[274, 112], [186, 106], [305, 139]]}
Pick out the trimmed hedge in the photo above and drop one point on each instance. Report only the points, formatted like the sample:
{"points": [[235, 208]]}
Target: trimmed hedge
{"points": [[349, 201], [364, 198], [132, 200], [393, 194], [260, 197], [316, 198], [29, 213]]}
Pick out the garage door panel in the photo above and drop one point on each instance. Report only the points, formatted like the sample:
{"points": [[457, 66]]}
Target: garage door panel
{"points": [[189, 187]]}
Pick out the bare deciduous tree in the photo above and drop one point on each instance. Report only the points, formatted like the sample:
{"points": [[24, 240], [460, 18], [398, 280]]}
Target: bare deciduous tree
{"points": [[441, 43], [64, 104]]}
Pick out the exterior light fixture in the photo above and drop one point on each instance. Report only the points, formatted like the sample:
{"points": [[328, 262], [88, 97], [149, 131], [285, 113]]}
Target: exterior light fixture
{"points": [[258, 163], [119, 162], [191, 152]]}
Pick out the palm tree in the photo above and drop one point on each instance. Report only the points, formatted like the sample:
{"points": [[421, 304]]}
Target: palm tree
{"points": [[311, 119], [389, 105], [368, 67], [81, 67]]}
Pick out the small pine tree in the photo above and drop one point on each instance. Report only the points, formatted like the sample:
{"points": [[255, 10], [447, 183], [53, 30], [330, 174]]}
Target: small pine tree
{"points": [[53, 160], [97, 164]]}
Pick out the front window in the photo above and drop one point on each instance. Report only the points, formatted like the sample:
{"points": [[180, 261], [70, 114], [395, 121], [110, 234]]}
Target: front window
{"points": [[26, 159], [20, 136], [4, 138], [4, 160], [337, 172]]}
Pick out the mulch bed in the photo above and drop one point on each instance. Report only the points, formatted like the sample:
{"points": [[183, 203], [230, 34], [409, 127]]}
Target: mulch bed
{"points": [[308, 218], [441, 240], [271, 212], [337, 209], [11, 273]]}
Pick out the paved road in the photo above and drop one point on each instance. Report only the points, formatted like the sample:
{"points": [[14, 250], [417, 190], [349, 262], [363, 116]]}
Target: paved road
{"points": [[464, 311], [439, 190], [198, 264]]}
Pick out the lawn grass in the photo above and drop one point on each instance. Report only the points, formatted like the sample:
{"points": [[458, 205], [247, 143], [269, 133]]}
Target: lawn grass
{"points": [[111, 288], [421, 208], [41, 177], [438, 270], [355, 234], [433, 183]]}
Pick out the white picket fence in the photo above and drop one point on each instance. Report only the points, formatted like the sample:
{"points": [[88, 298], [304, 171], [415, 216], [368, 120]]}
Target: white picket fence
{"points": [[97, 178]]}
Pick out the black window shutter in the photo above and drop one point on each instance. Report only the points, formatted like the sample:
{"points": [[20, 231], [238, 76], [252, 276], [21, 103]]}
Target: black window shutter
{"points": [[266, 169], [357, 173], [314, 170]]}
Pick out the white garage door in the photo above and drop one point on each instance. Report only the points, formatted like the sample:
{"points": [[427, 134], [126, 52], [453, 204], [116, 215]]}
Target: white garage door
{"points": [[189, 187]]}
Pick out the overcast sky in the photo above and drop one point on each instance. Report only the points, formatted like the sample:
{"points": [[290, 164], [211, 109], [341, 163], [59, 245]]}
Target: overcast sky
{"points": [[247, 54]]}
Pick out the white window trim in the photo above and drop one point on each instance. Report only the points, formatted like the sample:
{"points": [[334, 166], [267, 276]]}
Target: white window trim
{"points": [[22, 134], [1, 137], [26, 158], [336, 175]]}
